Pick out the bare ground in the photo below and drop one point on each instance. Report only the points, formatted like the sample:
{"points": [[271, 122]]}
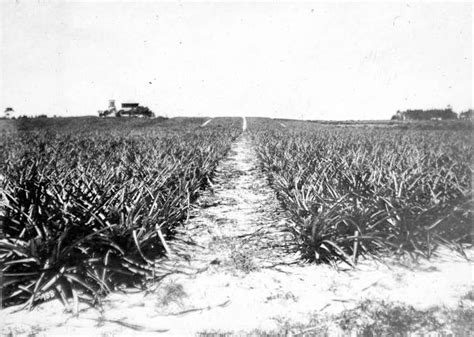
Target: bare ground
{"points": [[240, 276]]}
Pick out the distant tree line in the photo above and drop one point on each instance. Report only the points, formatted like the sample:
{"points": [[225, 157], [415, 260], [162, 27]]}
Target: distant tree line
{"points": [[466, 114], [26, 117], [432, 114]]}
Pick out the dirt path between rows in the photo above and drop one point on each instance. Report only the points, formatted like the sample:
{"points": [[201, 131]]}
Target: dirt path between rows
{"points": [[237, 224], [240, 275]]}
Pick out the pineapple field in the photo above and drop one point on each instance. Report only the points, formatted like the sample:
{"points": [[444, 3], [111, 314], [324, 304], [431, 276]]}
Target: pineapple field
{"points": [[89, 206], [249, 226], [356, 191]]}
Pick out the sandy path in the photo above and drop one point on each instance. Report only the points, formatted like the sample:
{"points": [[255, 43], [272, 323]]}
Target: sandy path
{"points": [[244, 124], [240, 275], [206, 122], [237, 220]]}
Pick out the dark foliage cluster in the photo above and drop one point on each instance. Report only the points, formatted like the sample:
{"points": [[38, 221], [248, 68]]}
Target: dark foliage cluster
{"points": [[356, 191], [89, 205]]}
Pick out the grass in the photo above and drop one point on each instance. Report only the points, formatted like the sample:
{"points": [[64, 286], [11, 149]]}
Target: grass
{"points": [[373, 318], [171, 293], [286, 296], [242, 258], [469, 296]]}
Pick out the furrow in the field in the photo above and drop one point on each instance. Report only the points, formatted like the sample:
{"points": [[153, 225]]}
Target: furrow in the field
{"points": [[239, 215], [206, 122]]}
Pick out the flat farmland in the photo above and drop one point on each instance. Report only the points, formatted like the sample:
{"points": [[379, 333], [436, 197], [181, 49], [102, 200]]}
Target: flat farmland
{"points": [[237, 226]]}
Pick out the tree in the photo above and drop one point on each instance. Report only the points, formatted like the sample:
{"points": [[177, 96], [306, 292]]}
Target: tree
{"points": [[466, 114], [432, 114]]}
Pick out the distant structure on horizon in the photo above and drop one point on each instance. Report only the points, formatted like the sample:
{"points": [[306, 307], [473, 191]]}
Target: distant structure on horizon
{"points": [[127, 110], [8, 111], [431, 114]]}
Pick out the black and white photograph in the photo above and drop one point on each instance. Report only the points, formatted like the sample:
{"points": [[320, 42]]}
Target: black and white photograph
{"points": [[236, 168]]}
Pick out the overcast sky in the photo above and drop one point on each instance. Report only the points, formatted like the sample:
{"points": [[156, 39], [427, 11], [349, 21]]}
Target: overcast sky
{"points": [[317, 61]]}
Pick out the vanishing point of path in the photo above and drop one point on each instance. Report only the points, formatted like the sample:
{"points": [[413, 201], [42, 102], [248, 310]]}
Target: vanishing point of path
{"points": [[232, 271], [237, 223]]}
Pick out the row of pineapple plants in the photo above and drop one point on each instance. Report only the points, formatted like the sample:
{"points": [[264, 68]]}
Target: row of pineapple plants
{"points": [[89, 210], [353, 191]]}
